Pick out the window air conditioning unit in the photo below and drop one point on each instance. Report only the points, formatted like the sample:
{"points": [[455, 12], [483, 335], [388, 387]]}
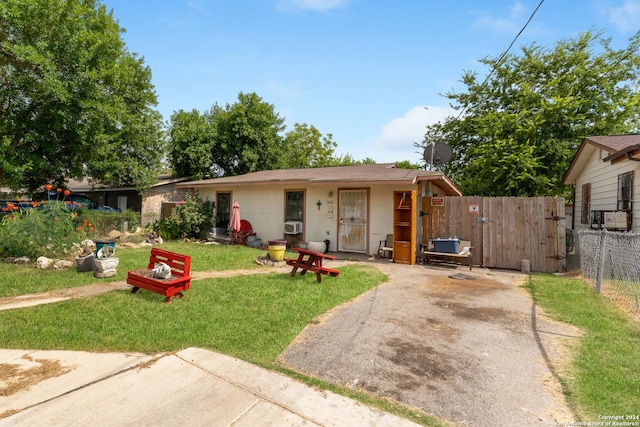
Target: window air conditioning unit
{"points": [[292, 227], [615, 220]]}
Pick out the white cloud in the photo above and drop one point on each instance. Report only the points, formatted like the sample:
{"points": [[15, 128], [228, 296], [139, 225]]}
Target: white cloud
{"points": [[626, 16], [314, 5], [503, 24], [197, 7], [395, 142], [284, 93]]}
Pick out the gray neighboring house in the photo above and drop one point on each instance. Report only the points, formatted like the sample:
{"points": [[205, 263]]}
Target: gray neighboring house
{"points": [[603, 173], [156, 202], [351, 206]]}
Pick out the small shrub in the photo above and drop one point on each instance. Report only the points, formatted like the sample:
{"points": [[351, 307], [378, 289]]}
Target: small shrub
{"points": [[104, 222], [49, 230], [192, 219]]}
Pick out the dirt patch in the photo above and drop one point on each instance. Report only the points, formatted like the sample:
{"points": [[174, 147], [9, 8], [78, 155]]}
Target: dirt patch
{"points": [[19, 377]]}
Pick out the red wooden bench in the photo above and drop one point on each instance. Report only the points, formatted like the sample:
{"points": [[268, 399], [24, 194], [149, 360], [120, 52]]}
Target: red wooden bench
{"points": [[179, 281], [312, 262]]}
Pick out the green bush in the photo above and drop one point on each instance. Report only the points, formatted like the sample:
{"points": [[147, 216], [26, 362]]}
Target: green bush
{"points": [[104, 222], [52, 229], [49, 230], [191, 219]]}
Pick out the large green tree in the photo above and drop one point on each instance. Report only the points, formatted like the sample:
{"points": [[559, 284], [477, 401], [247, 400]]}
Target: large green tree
{"points": [[243, 137], [74, 102], [306, 147], [516, 132], [247, 136], [192, 139]]}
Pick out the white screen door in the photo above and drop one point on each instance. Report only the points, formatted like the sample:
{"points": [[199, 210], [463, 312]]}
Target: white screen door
{"points": [[352, 230]]}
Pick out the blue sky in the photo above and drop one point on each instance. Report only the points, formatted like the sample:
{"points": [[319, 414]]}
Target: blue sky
{"points": [[370, 72]]}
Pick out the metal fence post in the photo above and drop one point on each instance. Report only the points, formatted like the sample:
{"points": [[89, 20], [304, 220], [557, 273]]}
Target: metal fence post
{"points": [[601, 261]]}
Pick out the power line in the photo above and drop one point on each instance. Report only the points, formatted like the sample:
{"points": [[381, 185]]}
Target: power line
{"points": [[618, 62], [504, 54]]}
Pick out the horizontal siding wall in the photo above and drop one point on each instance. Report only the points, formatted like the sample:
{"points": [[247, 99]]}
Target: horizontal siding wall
{"points": [[603, 177]]}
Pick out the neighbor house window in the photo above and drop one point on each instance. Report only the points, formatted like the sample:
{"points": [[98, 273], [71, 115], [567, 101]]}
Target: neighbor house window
{"points": [[625, 191], [223, 209], [294, 208], [586, 203]]}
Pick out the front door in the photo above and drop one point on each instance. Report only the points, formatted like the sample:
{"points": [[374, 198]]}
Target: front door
{"points": [[223, 210], [352, 230]]}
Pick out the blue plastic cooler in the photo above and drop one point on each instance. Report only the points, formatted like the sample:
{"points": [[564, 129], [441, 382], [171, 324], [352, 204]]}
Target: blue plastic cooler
{"points": [[446, 245]]}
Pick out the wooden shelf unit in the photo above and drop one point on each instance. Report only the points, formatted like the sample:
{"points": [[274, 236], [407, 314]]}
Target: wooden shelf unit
{"points": [[404, 227]]}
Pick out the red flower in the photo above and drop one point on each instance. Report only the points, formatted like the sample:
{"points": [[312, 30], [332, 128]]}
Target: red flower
{"points": [[34, 203], [59, 190], [67, 192], [68, 202], [48, 187]]}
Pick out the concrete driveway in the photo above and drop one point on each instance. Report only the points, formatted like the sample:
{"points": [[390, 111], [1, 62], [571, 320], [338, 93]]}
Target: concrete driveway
{"points": [[472, 349]]}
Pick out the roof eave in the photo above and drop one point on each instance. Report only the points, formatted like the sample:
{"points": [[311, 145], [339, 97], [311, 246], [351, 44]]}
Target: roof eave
{"points": [[622, 154], [450, 188]]}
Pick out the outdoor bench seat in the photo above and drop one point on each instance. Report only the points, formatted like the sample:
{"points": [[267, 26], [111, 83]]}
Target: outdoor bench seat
{"points": [[173, 286], [429, 254]]}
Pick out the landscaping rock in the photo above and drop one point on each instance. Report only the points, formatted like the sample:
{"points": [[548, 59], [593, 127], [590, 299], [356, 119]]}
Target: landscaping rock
{"points": [[88, 244], [62, 264], [129, 245], [44, 263], [22, 260], [265, 260], [114, 234]]}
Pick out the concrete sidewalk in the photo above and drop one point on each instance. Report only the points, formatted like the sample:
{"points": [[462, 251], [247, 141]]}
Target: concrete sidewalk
{"points": [[190, 387]]}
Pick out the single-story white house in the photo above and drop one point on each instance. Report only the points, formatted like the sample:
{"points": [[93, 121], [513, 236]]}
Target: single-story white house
{"points": [[603, 174], [351, 206]]}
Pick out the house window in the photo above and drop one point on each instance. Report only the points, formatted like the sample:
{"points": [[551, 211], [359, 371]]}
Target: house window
{"points": [[625, 191], [294, 208], [586, 203], [223, 210]]}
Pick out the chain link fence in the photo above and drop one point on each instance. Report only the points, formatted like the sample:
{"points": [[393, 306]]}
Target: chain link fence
{"points": [[610, 261]]}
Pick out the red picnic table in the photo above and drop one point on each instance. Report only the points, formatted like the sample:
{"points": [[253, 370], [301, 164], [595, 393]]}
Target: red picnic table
{"points": [[312, 262]]}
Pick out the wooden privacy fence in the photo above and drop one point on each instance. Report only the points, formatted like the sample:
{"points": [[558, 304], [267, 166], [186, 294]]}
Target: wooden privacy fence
{"points": [[503, 231]]}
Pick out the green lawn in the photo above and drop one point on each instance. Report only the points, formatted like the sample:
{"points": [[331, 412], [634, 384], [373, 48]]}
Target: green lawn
{"points": [[604, 377], [20, 279], [252, 317]]}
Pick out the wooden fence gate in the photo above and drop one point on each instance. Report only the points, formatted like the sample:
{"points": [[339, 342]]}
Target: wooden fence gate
{"points": [[503, 230]]}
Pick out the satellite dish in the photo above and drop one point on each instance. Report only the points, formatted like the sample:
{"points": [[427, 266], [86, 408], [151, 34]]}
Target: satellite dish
{"points": [[437, 154]]}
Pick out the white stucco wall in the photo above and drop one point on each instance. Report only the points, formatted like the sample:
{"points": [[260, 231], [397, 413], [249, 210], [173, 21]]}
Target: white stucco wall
{"points": [[263, 207], [603, 177]]}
